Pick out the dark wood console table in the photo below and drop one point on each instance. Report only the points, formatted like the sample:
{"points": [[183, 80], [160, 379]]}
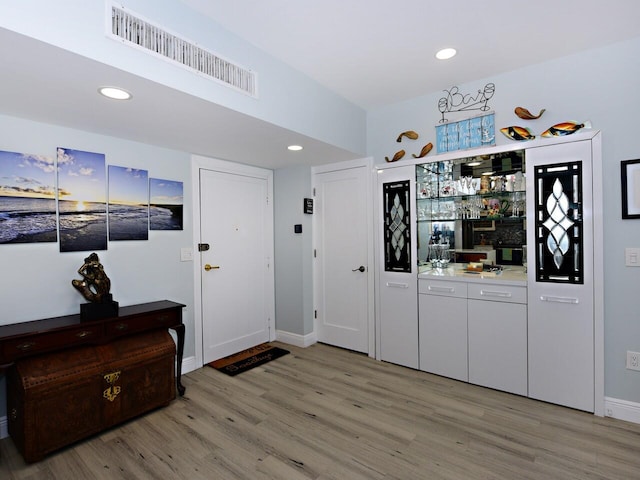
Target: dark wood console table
{"points": [[27, 339]]}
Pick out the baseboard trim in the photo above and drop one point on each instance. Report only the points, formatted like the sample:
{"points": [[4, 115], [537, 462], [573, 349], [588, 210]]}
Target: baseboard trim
{"points": [[189, 365], [622, 409], [295, 339]]}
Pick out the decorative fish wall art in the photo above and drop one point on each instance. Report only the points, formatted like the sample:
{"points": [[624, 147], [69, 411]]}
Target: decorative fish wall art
{"points": [[525, 114], [518, 133], [565, 128], [409, 134], [399, 154], [423, 153]]}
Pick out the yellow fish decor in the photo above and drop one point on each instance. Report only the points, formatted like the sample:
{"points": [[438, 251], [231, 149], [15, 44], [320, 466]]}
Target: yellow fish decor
{"points": [[518, 133], [399, 154], [565, 128], [425, 150], [525, 114], [410, 134]]}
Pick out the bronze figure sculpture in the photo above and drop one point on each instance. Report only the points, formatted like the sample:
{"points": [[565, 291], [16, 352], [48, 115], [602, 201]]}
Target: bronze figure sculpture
{"points": [[95, 285]]}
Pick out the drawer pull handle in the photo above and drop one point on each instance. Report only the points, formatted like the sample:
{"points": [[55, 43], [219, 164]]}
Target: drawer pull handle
{"points": [[121, 327], [26, 346], [546, 298], [431, 288], [397, 285], [84, 333], [489, 293]]}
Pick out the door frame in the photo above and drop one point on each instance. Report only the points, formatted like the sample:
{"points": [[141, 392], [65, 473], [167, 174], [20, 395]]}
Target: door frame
{"points": [[367, 163], [198, 163]]}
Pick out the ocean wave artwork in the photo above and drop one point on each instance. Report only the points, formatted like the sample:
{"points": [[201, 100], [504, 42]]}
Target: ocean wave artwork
{"points": [[128, 203], [82, 205], [165, 204], [27, 198]]}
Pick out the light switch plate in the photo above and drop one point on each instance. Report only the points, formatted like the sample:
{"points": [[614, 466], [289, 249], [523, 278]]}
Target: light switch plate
{"points": [[186, 254], [632, 257]]}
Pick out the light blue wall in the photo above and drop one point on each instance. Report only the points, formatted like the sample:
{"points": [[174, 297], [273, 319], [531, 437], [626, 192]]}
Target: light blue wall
{"points": [[600, 85], [287, 98], [293, 252], [36, 278]]}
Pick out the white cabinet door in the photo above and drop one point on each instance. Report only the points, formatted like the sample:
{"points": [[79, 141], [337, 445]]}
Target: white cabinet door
{"points": [[397, 290], [498, 344], [443, 328], [560, 312]]}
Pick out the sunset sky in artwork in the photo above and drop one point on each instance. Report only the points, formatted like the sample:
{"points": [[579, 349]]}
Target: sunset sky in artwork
{"points": [[81, 176], [25, 175]]}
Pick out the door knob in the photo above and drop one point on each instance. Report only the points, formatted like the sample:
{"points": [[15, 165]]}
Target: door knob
{"points": [[359, 269], [208, 267]]}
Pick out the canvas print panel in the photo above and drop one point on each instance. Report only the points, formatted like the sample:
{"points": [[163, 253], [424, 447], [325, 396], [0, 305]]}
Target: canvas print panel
{"points": [[165, 204], [82, 206], [128, 203], [27, 198]]}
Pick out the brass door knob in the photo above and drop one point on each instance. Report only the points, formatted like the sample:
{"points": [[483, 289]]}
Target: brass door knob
{"points": [[208, 267]]}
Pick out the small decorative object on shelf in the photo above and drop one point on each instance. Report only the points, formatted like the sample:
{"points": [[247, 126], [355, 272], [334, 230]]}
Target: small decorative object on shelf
{"points": [[425, 150], [95, 287], [517, 133], [526, 114], [398, 155], [409, 134], [565, 128]]}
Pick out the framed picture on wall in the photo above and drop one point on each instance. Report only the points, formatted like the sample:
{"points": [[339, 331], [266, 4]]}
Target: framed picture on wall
{"points": [[630, 178]]}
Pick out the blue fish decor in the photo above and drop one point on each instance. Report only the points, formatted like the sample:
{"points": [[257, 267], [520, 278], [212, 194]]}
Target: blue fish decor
{"points": [[565, 128], [518, 133]]}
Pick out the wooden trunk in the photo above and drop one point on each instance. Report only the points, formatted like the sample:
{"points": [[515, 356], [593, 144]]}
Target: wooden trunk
{"points": [[59, 398]]}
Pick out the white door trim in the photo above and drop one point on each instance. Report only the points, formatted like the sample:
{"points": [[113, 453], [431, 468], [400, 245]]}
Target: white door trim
{"points": [[197, 163], [358, 163]]}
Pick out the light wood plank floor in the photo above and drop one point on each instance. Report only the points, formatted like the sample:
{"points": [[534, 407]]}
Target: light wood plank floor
{"points": [[329, 414]]}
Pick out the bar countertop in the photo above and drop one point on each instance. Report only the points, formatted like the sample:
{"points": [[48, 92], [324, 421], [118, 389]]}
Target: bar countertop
{"points": [[509, 275]]}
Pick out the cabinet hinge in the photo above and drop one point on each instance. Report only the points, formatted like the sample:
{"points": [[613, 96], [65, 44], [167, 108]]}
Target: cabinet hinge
{"points": [[315, 253], [315, 314]]}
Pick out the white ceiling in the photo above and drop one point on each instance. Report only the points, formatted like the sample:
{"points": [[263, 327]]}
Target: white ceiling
{"points": [[372, 52], [376, 52]]}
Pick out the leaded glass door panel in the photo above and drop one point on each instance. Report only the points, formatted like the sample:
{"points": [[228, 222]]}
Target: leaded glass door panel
{"points": [[560, 274]]}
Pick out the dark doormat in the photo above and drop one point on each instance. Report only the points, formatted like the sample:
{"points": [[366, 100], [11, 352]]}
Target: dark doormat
{"points": [[247, 359]]}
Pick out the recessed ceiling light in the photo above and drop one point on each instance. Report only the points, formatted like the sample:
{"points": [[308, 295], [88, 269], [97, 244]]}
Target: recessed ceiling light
{"points": [[294, 148], [474, 164], [115, 93], [445, 53]]}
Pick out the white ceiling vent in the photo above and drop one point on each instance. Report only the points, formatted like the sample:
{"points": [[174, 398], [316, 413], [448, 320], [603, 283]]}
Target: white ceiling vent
{"points": [[131, 29]]}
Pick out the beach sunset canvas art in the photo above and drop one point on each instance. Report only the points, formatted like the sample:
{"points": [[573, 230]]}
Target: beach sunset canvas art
{"points": [[165, 204], [128, 203], [27, 198], [82, 204]]}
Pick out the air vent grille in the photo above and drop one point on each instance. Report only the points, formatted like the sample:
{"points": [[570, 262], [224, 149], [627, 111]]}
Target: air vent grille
{"points": [[133, 30]]}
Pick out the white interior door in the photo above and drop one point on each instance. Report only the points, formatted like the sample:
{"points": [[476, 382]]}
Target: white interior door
{"points": [[236, 267], [343, 249], [561, 313]]}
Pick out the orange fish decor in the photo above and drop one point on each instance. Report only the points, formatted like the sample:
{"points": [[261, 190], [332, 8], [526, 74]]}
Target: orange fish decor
{"points": [[565, 128], [423, 153], [399, 154], [526, 114], [518, 133], [410, 134]]}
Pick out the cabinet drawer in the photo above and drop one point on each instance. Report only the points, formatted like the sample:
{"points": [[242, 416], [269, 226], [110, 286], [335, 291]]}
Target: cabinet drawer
{"points": [[442, 288], [22, 347], [141, 323], [498, 293]]}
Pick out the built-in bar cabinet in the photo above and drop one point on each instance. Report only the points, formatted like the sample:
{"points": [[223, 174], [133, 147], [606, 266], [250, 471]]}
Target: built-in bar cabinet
{"points": [[486, 268]]}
